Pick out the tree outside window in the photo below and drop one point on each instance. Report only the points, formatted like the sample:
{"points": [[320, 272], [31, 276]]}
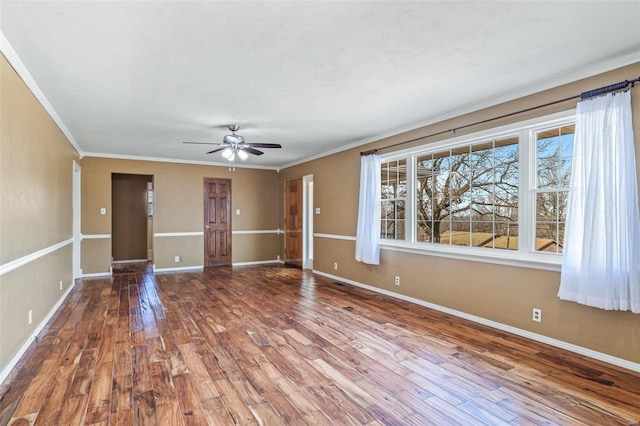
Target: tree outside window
{"points": [[394, 195], [468, 195]]}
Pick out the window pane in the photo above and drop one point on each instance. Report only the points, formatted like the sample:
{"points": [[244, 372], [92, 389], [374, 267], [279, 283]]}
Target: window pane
{"points": [[400, 233], [554, 149], [393, 193], [547, 238]]}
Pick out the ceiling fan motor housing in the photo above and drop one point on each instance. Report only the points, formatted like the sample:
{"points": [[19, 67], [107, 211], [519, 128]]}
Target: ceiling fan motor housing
{"points": [[233, 139]]}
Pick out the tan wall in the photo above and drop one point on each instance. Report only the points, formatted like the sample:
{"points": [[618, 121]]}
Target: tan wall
{"points": [[36, 168], [254, 247], [178, 207], [500, 293], [189, 248], [92, 256]]}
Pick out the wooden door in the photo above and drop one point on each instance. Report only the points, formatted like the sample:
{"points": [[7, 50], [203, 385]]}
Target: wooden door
{"points": [[217, 222], [293, 222]]}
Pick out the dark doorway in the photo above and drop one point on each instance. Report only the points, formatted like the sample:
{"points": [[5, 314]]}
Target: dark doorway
{"points": [[132, 215]]}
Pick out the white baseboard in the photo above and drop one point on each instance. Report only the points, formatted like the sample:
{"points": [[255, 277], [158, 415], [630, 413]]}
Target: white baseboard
{"points": [[178, 269], [504, 327], [7, 370], [257, 262], [96, 274]]}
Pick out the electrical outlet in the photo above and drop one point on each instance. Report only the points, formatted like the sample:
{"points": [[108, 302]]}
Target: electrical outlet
{"points": [[397, 281], [335, 265], [537, 315], [60, 284], [177, 259], [30, 319]]}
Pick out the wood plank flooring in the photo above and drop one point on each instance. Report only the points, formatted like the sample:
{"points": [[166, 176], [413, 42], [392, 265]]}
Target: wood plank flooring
{"points": [[275, 345]]}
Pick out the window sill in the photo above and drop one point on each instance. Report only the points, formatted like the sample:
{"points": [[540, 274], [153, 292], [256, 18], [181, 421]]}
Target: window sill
{"points": [[543, 261]]}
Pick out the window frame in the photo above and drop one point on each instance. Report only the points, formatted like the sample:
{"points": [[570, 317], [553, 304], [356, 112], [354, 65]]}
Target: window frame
{"points": [[395, 199], [525, 255]]}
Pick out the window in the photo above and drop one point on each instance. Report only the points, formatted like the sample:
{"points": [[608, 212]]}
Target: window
{"points": [[554, 149], [468, 196], [149, 202], [394, 195], [496, 194]]}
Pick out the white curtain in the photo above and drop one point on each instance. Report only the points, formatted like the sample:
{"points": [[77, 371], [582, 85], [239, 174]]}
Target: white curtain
{"points": [[601, 259], [368, 231]]}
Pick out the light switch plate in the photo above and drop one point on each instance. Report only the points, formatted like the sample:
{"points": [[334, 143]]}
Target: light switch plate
{"points": [[317, 210], [103, 211]]}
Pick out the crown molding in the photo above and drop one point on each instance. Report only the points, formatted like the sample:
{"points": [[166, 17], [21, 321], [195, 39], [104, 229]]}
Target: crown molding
{"points": [[175, 160], [25, 75], [579, 74]]}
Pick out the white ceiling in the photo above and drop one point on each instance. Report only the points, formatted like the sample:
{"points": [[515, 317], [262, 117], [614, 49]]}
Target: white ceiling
{"points": [[138, 78]]}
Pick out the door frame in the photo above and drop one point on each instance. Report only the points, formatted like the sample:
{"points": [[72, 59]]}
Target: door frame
{"points": [[76, 222], [307, 220]]}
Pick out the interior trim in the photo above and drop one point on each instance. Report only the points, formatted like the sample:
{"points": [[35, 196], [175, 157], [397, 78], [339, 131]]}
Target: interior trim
{"points": [[96, 274], [178, 234], [180, 268], [94, 236], [17, 263], [173, 160], [553, 264], [256, 231], [199, 233], [577, 75], [586, 72], [27, 78], [620, 362], [334, 236], [257, 262], [14, 361]]}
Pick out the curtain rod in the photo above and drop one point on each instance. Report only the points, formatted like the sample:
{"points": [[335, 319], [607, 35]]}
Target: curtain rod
{"points": [[584, 95]]}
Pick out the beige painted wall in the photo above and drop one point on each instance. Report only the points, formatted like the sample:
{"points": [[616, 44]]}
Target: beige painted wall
{"points": [[499, 293], [36, 167], [178, 207]]}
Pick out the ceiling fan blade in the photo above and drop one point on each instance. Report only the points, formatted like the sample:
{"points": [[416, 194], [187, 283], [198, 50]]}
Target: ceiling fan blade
{"points": [[265, 145], [251, 150], [217, 149], [202, 143]]}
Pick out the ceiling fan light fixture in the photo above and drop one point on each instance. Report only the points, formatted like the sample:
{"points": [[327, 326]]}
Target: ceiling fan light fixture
{"points": [[227, 153], [243, 155]]}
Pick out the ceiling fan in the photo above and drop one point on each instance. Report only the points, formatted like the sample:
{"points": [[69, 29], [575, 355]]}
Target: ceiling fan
{"points": [[233, 145]]}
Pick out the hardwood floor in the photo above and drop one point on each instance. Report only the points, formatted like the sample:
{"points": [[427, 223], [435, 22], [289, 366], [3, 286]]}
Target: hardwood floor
{"points": [[276, 345]]}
